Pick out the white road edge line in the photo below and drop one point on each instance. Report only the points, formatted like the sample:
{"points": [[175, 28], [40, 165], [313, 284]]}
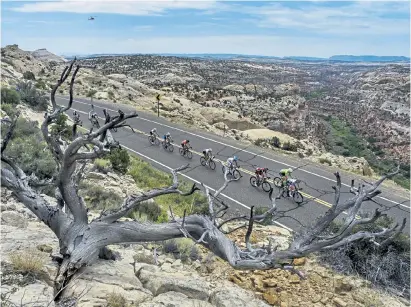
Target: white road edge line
{"points": [[192, 179], [250, 152]]}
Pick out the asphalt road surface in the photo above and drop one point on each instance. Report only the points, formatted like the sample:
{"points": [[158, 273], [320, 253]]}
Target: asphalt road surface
{"points": [[317, 181]]}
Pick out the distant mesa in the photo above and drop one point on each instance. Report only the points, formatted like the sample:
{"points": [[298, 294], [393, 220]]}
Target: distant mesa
{"points": [[44, 55], [242, 57]]}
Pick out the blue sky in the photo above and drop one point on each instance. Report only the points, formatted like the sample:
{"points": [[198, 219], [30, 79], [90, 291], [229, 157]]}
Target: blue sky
{"points": [[277, 28]]}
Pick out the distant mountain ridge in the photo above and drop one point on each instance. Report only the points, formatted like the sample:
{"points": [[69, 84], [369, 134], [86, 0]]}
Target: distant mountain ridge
{"points": [[217, 56]]}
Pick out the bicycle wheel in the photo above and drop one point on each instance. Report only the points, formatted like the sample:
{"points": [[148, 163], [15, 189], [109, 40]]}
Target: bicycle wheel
{"points": [[156, 141], [181, 151], [236, 174], [170, 147], [266, 186], [253, 181], [150, 140], [284, 193], [277, 182], [163, 144], [189, 154], [202, 161], [223, 169], [212, 165], [298, 198]]}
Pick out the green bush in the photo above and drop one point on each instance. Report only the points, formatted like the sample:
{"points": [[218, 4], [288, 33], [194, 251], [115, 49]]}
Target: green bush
{"points": [[34, 98], [32, 155], [183, 249], [325, 161], [41, 85], [275, 141], [259, 142], [120, 160], [110, 95], [98, 198], [29, 75], [60, 127], [10, 110], [289, 146], [28, 148], [102, 165], [261, 210], [9, 96]]}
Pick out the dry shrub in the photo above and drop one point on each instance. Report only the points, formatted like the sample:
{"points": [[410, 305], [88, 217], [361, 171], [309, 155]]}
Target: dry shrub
{"points": [[116, 300], [27, 261]]}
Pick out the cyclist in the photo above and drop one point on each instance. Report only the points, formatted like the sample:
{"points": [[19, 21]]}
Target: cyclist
{"points": [[261, 172], [207, 154], [167, 139], [76, 117], [286, 174], [186, 145], [153, 133], [230, 162]]}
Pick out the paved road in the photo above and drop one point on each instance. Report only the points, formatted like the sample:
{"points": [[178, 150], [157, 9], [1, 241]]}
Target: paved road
{"points": [[239, 195]]}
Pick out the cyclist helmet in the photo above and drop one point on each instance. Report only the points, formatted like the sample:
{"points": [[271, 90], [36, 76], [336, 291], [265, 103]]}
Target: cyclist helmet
{"points": [[168, 134], [188, 141], [266, 168], [235, 158], [154, 130], [290, 170]]}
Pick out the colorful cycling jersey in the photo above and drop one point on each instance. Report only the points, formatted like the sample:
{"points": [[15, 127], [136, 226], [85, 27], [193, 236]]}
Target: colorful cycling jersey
{"points": [[285, 172]]}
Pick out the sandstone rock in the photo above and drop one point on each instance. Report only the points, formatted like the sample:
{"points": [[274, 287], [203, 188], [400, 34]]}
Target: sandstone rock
{"points": [[160, 283], [45, 248], [104, 277], [339, 302], [342, 285], [271, 298], [37, 294], [14, 219], [299, 261], [226, 295], [175, 299]]}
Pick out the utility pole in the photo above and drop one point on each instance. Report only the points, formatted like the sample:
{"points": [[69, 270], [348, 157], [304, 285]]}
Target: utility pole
{"points": [[158, 105]]}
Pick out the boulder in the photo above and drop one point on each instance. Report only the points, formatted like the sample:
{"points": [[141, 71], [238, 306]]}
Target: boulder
{"points": [[14, 219]]}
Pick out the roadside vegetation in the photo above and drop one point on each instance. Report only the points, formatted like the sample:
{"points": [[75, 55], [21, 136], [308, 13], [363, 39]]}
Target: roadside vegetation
{"points": [[343, 139]]}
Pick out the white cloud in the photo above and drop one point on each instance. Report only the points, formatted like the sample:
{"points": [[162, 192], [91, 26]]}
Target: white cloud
{"points": [[356, 18], [125, 7], [242, 44]]}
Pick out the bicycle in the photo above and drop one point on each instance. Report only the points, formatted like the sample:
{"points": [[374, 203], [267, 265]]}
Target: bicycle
{"points": [[153, 140], [168, 146], [294, 189], [186, 152], [233, 171], [211, 163], [256, 182]]}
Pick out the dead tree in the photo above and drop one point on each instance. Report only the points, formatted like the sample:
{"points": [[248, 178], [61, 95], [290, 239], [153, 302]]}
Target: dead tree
{"points": [[81, 240]]}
